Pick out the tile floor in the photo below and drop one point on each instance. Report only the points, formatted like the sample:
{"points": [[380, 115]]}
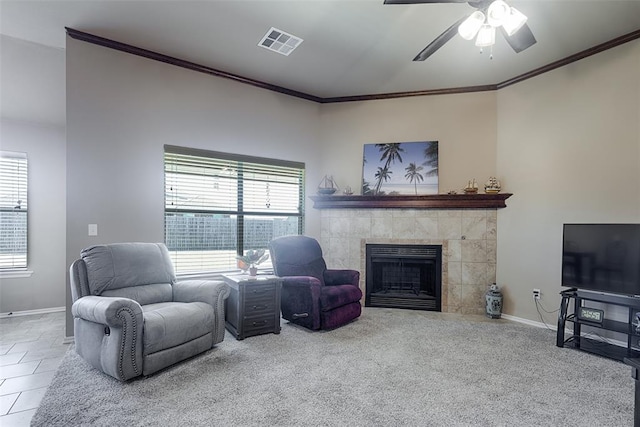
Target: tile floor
{"points": [[31, 349]]}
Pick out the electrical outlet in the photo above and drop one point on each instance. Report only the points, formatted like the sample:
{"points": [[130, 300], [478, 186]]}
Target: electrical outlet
{"points": [[536, 294]]}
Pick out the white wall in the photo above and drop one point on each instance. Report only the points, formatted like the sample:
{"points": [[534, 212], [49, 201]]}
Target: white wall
{"points": [[32, 110], [569, 150]]}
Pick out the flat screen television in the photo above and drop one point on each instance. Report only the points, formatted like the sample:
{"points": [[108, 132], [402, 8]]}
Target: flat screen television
{"points": [[602, 257]]}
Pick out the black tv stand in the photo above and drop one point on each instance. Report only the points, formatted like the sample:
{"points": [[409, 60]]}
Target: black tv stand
{"points": [[576, 340]]}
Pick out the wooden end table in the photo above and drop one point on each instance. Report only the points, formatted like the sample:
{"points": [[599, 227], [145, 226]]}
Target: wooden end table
{"points": [[253, 306]]}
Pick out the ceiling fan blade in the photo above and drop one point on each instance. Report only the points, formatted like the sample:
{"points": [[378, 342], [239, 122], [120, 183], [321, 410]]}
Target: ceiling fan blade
{"points": [[439, 41], [521, 40], [422, 1]]}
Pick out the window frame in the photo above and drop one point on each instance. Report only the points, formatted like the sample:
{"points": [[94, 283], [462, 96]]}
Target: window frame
{"points": [[14, 197], [242, 214]]}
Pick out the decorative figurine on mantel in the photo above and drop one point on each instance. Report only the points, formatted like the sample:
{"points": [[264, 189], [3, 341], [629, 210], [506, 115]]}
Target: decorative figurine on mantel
{"points": [[472, 187], [492, 186], [327, 186]]}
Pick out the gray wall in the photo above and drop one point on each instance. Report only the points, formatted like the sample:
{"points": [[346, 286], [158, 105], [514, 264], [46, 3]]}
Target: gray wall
{"points": [[122, 109], [32, 111], [465, 126], [547, 136], [569, 149], [45, 148], [32, 81]]}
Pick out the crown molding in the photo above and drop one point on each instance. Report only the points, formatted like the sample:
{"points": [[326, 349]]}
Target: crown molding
{"points": [[571, 59], [447, 91], [134, 50]]}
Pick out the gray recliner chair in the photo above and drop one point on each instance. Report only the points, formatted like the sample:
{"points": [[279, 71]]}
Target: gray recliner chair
{"points": [[132, 317]]}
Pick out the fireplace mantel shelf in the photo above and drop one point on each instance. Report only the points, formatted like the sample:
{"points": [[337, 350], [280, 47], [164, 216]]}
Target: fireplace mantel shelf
{"points": [[431, 201]]}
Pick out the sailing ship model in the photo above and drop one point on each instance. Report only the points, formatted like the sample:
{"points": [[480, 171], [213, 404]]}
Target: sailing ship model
{"points": [[327, 186], [492, 186], [472, 187]]}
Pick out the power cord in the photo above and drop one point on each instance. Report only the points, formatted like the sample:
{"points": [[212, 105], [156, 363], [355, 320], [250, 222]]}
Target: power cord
{"points": [[539, 307], [539, 304], [596, 338]]}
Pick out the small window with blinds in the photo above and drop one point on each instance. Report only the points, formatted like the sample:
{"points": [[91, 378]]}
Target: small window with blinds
{"points": [[219, 205], [13, 210]]}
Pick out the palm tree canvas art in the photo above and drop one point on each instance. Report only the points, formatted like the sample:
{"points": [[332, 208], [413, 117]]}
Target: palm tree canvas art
{"points": [[400, 168]]}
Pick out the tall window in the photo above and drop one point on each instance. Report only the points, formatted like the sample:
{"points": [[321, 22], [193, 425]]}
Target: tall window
{"points": [[13, 210], [219, 205]]}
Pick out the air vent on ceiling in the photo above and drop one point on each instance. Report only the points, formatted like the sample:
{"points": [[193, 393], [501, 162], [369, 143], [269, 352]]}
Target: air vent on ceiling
{"points": [[280, 41]]}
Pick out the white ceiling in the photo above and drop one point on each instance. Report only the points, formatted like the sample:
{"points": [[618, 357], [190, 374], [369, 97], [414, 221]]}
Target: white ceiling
{"points": [[350, 48]]}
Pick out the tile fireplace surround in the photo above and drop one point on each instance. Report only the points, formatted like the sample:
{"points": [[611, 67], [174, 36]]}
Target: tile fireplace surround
{"points": [[467, 236]]}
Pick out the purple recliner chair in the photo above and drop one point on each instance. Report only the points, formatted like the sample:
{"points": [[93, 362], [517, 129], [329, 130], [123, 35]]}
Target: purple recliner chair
{"points": [[312, 295]]}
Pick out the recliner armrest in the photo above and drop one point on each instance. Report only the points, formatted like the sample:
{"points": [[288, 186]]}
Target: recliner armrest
{"points": [[301, 300], [300, 281], [117, 349], [207, 291], [104, 310], [342, 277]]}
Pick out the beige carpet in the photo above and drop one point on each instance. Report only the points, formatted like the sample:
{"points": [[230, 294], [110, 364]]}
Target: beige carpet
{"points": [[390, 367]]}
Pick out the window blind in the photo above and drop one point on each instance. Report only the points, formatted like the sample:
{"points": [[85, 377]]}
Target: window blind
{"points": [[13, 210], [219, 205]]}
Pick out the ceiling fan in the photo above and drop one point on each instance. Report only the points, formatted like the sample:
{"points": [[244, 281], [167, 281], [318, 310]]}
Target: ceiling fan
{"points": [[519, 38]]}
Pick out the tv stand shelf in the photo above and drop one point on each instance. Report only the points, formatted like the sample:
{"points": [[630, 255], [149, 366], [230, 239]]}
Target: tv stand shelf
{"points": [[578, 341]]}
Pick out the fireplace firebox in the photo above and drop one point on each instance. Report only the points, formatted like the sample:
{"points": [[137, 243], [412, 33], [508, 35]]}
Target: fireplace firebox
{"points": [[404, 276]]}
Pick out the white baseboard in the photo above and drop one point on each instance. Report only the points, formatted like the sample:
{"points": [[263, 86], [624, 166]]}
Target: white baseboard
{"points": [[529, 322], [553, 326], [32, 312]]}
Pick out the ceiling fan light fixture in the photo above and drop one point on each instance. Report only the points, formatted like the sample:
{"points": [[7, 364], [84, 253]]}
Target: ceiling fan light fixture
{"points": [[514, 21], [486, 36], [470, 26], [497, 13]]}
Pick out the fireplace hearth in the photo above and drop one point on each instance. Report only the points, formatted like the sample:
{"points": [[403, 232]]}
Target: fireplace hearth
{"points": [[404, 276]]}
